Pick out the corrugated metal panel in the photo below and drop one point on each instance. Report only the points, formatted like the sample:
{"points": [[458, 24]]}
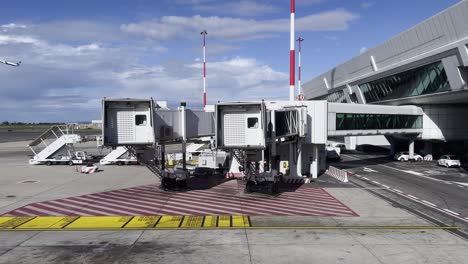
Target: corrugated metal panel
{"points": [[199, 123], [125, 126], [234, 132]]}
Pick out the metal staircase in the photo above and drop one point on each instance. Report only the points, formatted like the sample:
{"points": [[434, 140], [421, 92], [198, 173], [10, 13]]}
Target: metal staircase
{"points": [[150, 164], [241, 158], [51, 142]]}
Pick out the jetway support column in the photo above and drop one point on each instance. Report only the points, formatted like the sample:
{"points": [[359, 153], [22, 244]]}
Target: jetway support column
{"points": [[163, 157], [392, 142], [292, 164], [350, 143], [183, 126], [274, 166], [299, 159], [411, 149], [314, 165]]}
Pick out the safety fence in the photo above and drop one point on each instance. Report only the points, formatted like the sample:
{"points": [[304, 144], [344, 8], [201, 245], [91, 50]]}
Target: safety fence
{"points": [[338, 174]]}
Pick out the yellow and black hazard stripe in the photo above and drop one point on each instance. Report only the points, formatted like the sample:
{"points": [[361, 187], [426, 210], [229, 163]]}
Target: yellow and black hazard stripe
{"points": [[10, 223]]}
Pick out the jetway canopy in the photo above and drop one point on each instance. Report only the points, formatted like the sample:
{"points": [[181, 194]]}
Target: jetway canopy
{"points": [[363, 120], [131, 122], [169, 126]]}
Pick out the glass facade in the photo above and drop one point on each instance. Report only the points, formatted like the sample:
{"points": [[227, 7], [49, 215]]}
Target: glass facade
{"points": [[336, 97], [377, 121], [428, 79]]}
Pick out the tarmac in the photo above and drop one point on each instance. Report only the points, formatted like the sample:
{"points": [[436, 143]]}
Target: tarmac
{"points": [[379, 232]]}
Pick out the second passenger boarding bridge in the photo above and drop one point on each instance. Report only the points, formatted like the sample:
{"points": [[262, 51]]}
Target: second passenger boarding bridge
{"points": [[367, 120], [262, 136]]}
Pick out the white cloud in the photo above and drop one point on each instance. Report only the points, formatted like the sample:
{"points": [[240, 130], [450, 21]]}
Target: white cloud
{"points": [[64, 82], [7, 27], [69, 65], [239, 8], [246, 77], [227, 28], [367, 5], [328, 37], [309, 2], [12, 39]]}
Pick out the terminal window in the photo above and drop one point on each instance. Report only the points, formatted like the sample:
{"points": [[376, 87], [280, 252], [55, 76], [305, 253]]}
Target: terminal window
{"points": [[140, 120], [377, 121], [336, 97], [427, 79]]}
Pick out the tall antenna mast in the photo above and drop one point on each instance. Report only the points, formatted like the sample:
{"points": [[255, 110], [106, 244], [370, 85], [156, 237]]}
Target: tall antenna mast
{"points": [[300, 96], [204, 33], [292, 54]]}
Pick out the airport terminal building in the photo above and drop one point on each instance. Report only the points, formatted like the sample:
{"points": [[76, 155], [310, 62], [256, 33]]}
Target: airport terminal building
{"points": [[426, 66]]}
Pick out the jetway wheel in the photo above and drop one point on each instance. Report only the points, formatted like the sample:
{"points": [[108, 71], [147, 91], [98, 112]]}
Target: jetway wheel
{"points": [[48, 163], [266, 186], [249, 186], [168, 184]]}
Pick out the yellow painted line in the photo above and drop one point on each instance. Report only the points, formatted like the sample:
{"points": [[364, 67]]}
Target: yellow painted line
{"points": [[169, 221], [99, 222], [4, 219], [13, 222], [354, 227], [46, 222], [240, 221], [224, 221], [211, 221], [143, 222], [192, 221], [164, 222]]}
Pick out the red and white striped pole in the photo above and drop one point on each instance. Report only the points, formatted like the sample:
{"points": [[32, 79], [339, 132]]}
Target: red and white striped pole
{"points": [[292, 54], [204, 33], [300, 96]]}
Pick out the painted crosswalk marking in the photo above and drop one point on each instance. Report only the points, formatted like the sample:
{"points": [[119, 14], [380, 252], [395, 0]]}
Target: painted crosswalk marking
{"points": [[224, 199]]}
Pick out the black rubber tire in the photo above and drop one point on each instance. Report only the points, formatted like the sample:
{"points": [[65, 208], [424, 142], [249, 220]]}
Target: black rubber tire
{"points": [[249, 186], [271, 188], [120, 163], [48, 163], [70, 163], [275, 187]]}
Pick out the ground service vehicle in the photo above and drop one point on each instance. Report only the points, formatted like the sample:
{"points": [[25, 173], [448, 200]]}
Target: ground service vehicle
{"points": [[404, 156], [449, 161]]}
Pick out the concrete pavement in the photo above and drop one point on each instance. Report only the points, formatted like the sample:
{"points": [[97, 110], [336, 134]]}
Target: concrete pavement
{"points": [[215, 246], [234, 246], [424, 183]]}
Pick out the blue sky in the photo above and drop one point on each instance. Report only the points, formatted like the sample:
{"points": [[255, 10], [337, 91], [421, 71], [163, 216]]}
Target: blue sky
{"points": [[76, 52]]}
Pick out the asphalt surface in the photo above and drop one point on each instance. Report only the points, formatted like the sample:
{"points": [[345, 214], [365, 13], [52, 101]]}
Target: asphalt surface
{"points": [[386, 220], [439, 193]]}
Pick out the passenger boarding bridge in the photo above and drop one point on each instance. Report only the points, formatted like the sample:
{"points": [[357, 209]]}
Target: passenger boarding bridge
{"points": [[259, 135], [368, 120]]}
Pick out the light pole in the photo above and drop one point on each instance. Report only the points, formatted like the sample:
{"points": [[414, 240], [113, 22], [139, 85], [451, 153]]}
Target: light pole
{"points": [[204, 33], [15, 64], [292, 54], [300, 96]]}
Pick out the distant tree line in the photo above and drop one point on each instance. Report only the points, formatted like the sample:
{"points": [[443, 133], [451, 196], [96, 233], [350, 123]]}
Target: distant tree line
{"points": [[6, 123]]}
